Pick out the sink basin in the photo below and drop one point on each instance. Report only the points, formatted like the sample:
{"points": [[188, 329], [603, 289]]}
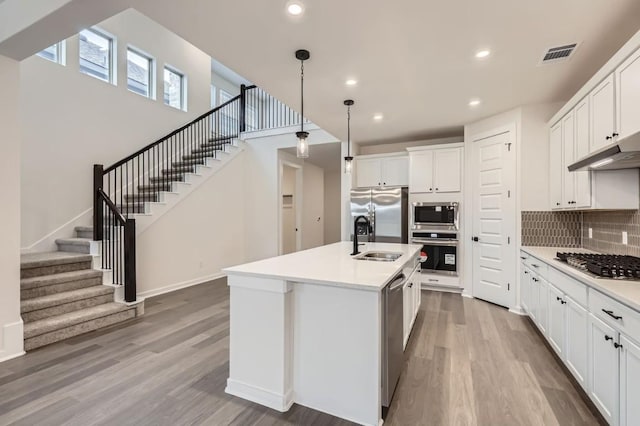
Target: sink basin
{"points": [[378, 256]]}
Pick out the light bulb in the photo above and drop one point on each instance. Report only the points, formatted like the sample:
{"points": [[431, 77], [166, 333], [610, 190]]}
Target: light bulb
{"points": [[348, 161], [303, 148]]}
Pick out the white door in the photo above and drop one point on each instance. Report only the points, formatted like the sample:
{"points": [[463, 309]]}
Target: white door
{"points": [[582, 142], [568, 143], [577, 341], [629, 383], [525, 289], [555, 166], [421, 172], [543, 305], [447, 174], [628, 95], [556, 320], [368, 173], [312, 206], [395, 171], [493, 211], [603, 366], [602, 114]]}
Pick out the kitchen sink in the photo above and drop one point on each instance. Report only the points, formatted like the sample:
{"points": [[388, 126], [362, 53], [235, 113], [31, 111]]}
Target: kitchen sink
{"points": [[378, 256]]}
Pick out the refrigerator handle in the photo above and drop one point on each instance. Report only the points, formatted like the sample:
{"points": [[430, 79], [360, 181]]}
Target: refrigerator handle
{"points": [[372, 224]]}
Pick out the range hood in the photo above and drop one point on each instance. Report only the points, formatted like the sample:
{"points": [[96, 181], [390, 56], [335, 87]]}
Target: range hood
{"points": [[622, 154]]}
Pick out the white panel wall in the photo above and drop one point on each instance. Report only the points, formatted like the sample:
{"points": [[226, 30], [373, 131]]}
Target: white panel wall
{"points": [[202, 234], [10, 321], [71, 121]]}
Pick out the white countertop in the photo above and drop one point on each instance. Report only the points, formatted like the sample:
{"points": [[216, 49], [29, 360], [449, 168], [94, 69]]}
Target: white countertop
{"points": [[624, 291], [332, 265]]}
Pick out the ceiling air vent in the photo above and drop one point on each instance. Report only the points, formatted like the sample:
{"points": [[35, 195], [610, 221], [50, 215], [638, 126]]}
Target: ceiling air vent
{"points": [[560, 53]]}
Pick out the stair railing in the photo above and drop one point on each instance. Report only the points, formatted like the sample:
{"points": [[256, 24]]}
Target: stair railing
{"points": [[124, 188]]}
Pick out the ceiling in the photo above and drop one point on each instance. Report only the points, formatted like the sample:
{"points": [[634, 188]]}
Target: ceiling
{"points": [[413, 59], [326, 156]]}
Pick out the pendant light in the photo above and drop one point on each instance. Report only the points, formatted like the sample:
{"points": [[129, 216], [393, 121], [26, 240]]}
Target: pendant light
{"points": [[303, 145], [348, 160]]}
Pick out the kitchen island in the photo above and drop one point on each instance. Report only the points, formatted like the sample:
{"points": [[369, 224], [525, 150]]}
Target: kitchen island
{"points": [[306, 328]]}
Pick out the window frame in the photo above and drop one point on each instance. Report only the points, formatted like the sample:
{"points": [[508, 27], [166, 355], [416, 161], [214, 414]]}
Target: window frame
{"points": [[183, 87], [151, 72], [113, 55], [61, 53]]}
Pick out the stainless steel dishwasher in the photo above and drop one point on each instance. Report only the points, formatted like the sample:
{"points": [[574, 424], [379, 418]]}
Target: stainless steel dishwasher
{"points": [[392, 332]]}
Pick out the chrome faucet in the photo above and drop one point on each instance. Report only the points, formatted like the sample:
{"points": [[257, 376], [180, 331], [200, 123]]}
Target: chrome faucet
{"points": [[355, 232]]}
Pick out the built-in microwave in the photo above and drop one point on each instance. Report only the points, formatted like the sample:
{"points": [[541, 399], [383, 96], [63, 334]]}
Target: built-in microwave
{"points": [[434, 215]]}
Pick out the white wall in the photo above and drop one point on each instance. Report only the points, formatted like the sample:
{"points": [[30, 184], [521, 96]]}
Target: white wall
{"points": [[202, 234], [332, 189], [10, 321], [289, 212], [263, 181], [71, 121], [313, 221], [224, 84]]}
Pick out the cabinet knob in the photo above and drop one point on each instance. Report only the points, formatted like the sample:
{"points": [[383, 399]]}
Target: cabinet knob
{"points": [[606, 338], [617, 345], [437, 189], [558, 298], [384, 183], [564, 302], [615, 134], [608, 138], [430, 189], [557, 204]]}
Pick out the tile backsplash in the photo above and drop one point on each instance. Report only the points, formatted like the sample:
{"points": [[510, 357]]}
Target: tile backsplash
{"points": [[551, 229], [607, 232]]}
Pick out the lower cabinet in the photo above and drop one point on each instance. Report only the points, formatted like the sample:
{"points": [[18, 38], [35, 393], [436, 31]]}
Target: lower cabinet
{"points": [[603, 366], [557, 322], [525, 288], [543, 304], [577, 340], [629, 382], [412, 297]]}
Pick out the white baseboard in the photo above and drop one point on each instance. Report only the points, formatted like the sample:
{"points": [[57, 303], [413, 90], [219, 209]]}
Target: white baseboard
{"points": [[518, 310], [12, 341], [180, 285], [467, 295], [276, 401], [441, 288]]}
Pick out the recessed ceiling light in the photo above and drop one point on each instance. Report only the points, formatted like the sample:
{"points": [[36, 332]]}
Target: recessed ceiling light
{"points": [[474, 102], [378, 117], [480, 54], [351, 82], [295, 9]]}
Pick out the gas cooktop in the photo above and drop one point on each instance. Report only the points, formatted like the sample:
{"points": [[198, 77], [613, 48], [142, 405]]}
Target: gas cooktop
{"points": [[604, 265]]}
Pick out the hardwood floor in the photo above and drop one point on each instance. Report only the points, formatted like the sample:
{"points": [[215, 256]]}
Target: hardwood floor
{"points": [[468, 363]]}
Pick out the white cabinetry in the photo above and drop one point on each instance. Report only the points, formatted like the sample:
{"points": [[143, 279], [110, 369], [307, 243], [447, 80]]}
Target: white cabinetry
{"points": [[412, 297], [555, 166], [629, 382], [568, 157], [582, 137], [628, 96], [557, 322], [603, 366], [435, 170], [603, 115], [382, 171], [577, 323]]}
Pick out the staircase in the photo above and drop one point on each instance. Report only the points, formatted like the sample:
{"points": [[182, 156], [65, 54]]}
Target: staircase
{"points": [[62, 296]]}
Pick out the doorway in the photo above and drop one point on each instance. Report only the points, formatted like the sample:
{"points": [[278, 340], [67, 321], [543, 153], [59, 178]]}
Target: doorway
{"points": [[494, 216], [290, 207]]}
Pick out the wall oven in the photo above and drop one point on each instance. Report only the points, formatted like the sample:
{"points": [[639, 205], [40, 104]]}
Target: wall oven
{"points": [[441, 249], [434, 216]]}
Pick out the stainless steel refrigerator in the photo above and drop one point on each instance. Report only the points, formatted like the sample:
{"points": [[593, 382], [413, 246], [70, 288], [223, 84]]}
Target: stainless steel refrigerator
{"points": [[387, 211]]}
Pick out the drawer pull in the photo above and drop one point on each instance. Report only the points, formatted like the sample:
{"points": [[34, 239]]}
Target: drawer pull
{"points": [[410, 285], [433, 280], [526, 272], [564, 302], [610, 313], [535, 279], [617, 345], [534, 265], [607, 337], [558, 298]]}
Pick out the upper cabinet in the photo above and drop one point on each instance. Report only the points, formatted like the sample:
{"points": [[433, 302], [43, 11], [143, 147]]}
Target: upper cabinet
{"points": [[435, 170], [382, 171], [555, 166], [628, 96], [603, 117]]}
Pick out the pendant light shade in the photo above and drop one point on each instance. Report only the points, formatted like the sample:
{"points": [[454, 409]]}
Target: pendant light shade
{"points": [[348, 160], [302, 147]]}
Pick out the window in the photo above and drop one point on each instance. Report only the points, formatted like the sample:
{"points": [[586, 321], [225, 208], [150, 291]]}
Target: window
{"points": [[174, 88], [140, 73], [224, 96], [96, 55], [213, 96], [54, 53]]}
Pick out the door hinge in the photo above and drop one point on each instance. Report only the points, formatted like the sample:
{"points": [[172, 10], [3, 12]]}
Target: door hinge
{"points": [[508, 240], [509, 194], [508, 286], [508, 144]]}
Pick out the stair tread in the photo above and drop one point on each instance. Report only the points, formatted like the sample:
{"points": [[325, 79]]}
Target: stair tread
{"points": [[61, 298], [75, 241], [58, 322], [44, 280], [36, 260], [84, 228]]}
